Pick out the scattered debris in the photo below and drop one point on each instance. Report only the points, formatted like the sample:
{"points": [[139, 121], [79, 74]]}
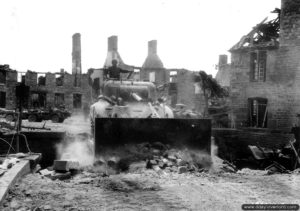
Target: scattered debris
{"points": [[65, 165], [276, 160]]}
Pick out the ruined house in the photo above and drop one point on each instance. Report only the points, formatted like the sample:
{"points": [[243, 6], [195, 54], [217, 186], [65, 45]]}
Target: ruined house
{"points": [[45, 89], [264, 72], [48, 89], [177, 85]]}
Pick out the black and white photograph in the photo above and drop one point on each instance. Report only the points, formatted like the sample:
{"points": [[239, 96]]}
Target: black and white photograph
{"points": [[149, 105]]}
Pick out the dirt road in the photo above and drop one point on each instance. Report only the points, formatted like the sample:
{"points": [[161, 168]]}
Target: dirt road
{"points": [[152, 191]]}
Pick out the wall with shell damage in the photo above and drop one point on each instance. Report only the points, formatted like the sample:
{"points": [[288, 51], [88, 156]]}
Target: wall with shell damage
{"points": [[282, 82], [49, 88]]}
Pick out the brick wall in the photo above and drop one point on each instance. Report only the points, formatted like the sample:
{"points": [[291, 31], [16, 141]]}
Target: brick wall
{"points": [[233, 143], [282, 85], [50, 88], [161, 75], [186, 91], [10, 89]]}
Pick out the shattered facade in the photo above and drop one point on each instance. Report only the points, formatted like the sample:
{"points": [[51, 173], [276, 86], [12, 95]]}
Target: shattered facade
{"points": [[264, 72], [46, 90], [177, 85]]}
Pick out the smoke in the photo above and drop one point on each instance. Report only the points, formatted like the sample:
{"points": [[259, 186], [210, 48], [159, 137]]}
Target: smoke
{"points": [[213, 148], [78, 145], [216, 161], [76, 150]]}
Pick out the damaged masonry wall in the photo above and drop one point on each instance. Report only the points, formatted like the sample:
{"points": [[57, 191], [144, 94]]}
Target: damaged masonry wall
{"points": [[265, 76], [72, 97]]}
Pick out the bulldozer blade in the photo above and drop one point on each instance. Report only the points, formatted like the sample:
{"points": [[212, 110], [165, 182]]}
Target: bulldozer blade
{"points": [[112, 132]]}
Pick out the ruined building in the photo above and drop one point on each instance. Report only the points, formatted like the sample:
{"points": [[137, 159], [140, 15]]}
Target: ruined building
{"points": [[48, 89], [175, 84], [153, 69], [265, 72]]}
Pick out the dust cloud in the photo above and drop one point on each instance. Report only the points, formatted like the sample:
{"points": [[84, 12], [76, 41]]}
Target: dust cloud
{"points": [[78, 144]]}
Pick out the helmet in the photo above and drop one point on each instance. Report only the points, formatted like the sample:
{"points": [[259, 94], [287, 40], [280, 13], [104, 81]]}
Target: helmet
{"points": [[114, 62]]}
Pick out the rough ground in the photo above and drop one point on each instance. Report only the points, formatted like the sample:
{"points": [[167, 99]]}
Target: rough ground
{"points": [[152, 191], [149, 190]]}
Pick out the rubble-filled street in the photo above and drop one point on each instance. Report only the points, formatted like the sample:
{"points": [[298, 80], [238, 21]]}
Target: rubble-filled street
{"points": [[153, 181], [150, 190], [92, 125]]}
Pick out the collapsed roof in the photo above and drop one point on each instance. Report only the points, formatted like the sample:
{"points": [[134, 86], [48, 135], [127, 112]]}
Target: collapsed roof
{"points": [[264, 34]]}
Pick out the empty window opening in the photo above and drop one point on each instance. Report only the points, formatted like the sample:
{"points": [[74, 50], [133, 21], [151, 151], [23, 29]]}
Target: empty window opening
{"points": [[152, 77], [136, 75], [38, 100], [258, 61], [173, 76], [77, 100], [21, 77], [59, 78], [2, 99], [41, 79], [258, 112], [59, 99], [77, 81], [2, 77]]}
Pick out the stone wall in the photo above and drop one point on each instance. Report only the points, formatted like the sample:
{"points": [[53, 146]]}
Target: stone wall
{"points": [[50, 88], [187, 93], [282, 85], [10, 89], [233, 143]]}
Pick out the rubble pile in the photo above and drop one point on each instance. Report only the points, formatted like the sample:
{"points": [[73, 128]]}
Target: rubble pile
{"points": [[156, 156], [61, 169]]}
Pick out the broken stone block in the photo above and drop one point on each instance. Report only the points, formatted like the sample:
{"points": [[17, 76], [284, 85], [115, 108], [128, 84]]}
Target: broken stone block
{"points": [[172, 158], [181, 162], [47, 207], [153, 162], [156, 168], [113, 162], [182, 169], [165, 160], [14, 204], [156, 157], [65, 165], [135, 166], [60, 176], [162, 164], [174, 168], [156, 151], [45, 172]]}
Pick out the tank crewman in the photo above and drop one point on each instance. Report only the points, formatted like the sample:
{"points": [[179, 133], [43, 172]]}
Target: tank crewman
{"points": [[114, 71]]}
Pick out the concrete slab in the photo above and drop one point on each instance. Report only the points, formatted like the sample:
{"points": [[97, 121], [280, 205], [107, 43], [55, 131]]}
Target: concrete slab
{"points": [[14, 174]]}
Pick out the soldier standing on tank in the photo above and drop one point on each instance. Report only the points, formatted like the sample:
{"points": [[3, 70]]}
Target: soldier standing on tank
{"points": [[114, 71]]}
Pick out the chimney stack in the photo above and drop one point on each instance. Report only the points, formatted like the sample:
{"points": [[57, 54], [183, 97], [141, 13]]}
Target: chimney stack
{"points": [[223, 59], [152, 47], [112, 52], [289, 23], [76, 54], [112, 43], [152, 60]]}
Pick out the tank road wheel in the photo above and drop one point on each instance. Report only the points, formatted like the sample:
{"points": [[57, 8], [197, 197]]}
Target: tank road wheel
{"points": [[10, 117], [32, 118], [55, 118]]}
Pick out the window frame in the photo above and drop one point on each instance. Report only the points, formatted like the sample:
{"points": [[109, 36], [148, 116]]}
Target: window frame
{"points": [[258, 66]]}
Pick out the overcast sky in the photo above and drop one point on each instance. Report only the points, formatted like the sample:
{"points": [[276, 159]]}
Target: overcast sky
{"points": [[37, 35]]}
